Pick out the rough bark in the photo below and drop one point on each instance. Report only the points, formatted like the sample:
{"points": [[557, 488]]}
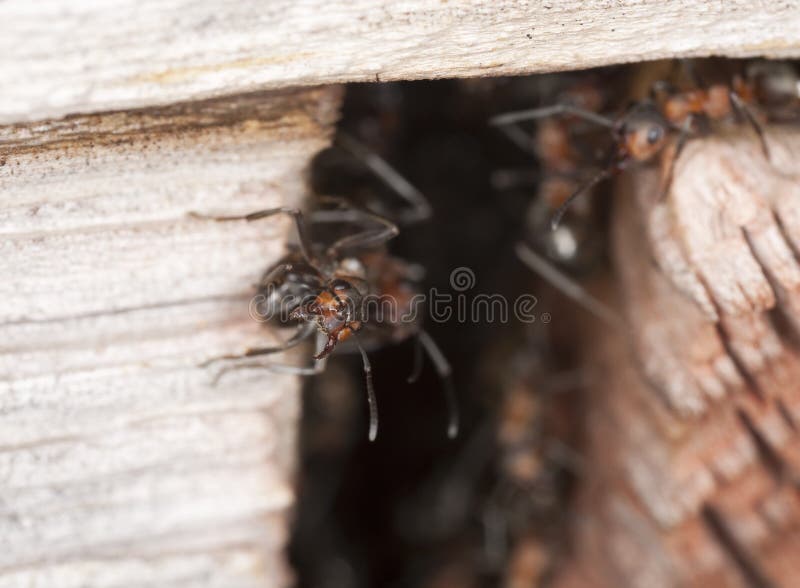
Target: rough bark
{"points": [[694, 418]]}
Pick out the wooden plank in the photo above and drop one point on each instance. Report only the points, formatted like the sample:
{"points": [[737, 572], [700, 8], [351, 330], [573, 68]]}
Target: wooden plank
{"points": [[701, 420], [58, 58], [120, 458]]}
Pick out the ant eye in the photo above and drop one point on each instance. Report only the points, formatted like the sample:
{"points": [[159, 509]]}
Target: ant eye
{"points": [[654, 134]]}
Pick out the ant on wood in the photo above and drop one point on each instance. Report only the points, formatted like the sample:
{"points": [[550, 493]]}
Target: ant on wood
{"points": [[644, 131], [329, 290], [562, 145]]}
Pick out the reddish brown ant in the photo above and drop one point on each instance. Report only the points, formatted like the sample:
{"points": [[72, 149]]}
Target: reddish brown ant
{"points": [[324, 290], [562, 145], [645, 129]]}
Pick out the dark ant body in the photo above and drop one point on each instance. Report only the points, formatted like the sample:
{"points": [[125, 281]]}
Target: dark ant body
{"points": [[776, 86], [562, 146], [324, 290], [645, 130]]}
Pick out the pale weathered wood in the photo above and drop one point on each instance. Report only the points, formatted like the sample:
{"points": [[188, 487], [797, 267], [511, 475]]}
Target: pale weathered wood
{"points": [[121, 462], [65, 57], [700, 423]]}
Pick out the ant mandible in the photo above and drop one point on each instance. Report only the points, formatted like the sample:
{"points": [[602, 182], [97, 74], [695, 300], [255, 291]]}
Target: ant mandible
{"points": [[324, 289], [644, 130]]}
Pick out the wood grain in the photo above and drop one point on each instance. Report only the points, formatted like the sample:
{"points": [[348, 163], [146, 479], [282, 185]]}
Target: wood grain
{"points": [[121, 461], [59, 58], [700, 420]]}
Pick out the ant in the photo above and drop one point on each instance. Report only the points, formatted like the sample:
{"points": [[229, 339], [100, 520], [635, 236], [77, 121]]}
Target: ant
{"points": [[577, 244], [325, 290], [644, 130], [777, 88]]}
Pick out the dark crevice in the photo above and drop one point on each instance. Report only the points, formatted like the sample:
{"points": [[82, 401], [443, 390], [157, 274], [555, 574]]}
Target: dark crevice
{"points": [[786, 237], [746, 562], [769, 456], [414, 506], [778, 315], [414, 509], [751, 383], [786, 415]]}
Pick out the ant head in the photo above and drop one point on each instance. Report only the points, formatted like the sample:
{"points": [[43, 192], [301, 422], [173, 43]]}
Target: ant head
{"points": [[335, 310], [643, 132]]}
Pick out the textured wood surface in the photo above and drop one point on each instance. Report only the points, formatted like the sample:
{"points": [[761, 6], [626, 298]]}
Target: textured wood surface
{"points": [[64, 57], [701, 396], [121, 462]]}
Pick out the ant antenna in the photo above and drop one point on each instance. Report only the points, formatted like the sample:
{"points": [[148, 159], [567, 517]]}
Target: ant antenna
{"points": [[736, 100], [507, 122], [510, 118], [742, 108], [421, 208], [372, 401], [567, 285], [416, 369], [690, 69], [680, 143], [559, 214]]}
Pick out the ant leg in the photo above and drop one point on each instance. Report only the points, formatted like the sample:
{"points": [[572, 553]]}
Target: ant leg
{"points": [[688, 66], [743, 110], [565, 456], [297, 216], [683, 137], [317, 368], [736, 101], [495, 535], [509, 178], [567, 286], [416, 370], [661, 87], [421, 208], [559, 213], [548, 111], [275, 368], [269, 277], [363, 240], [367, 238], [303, 332], [446, 374], [371, 399], [519, 137]]}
